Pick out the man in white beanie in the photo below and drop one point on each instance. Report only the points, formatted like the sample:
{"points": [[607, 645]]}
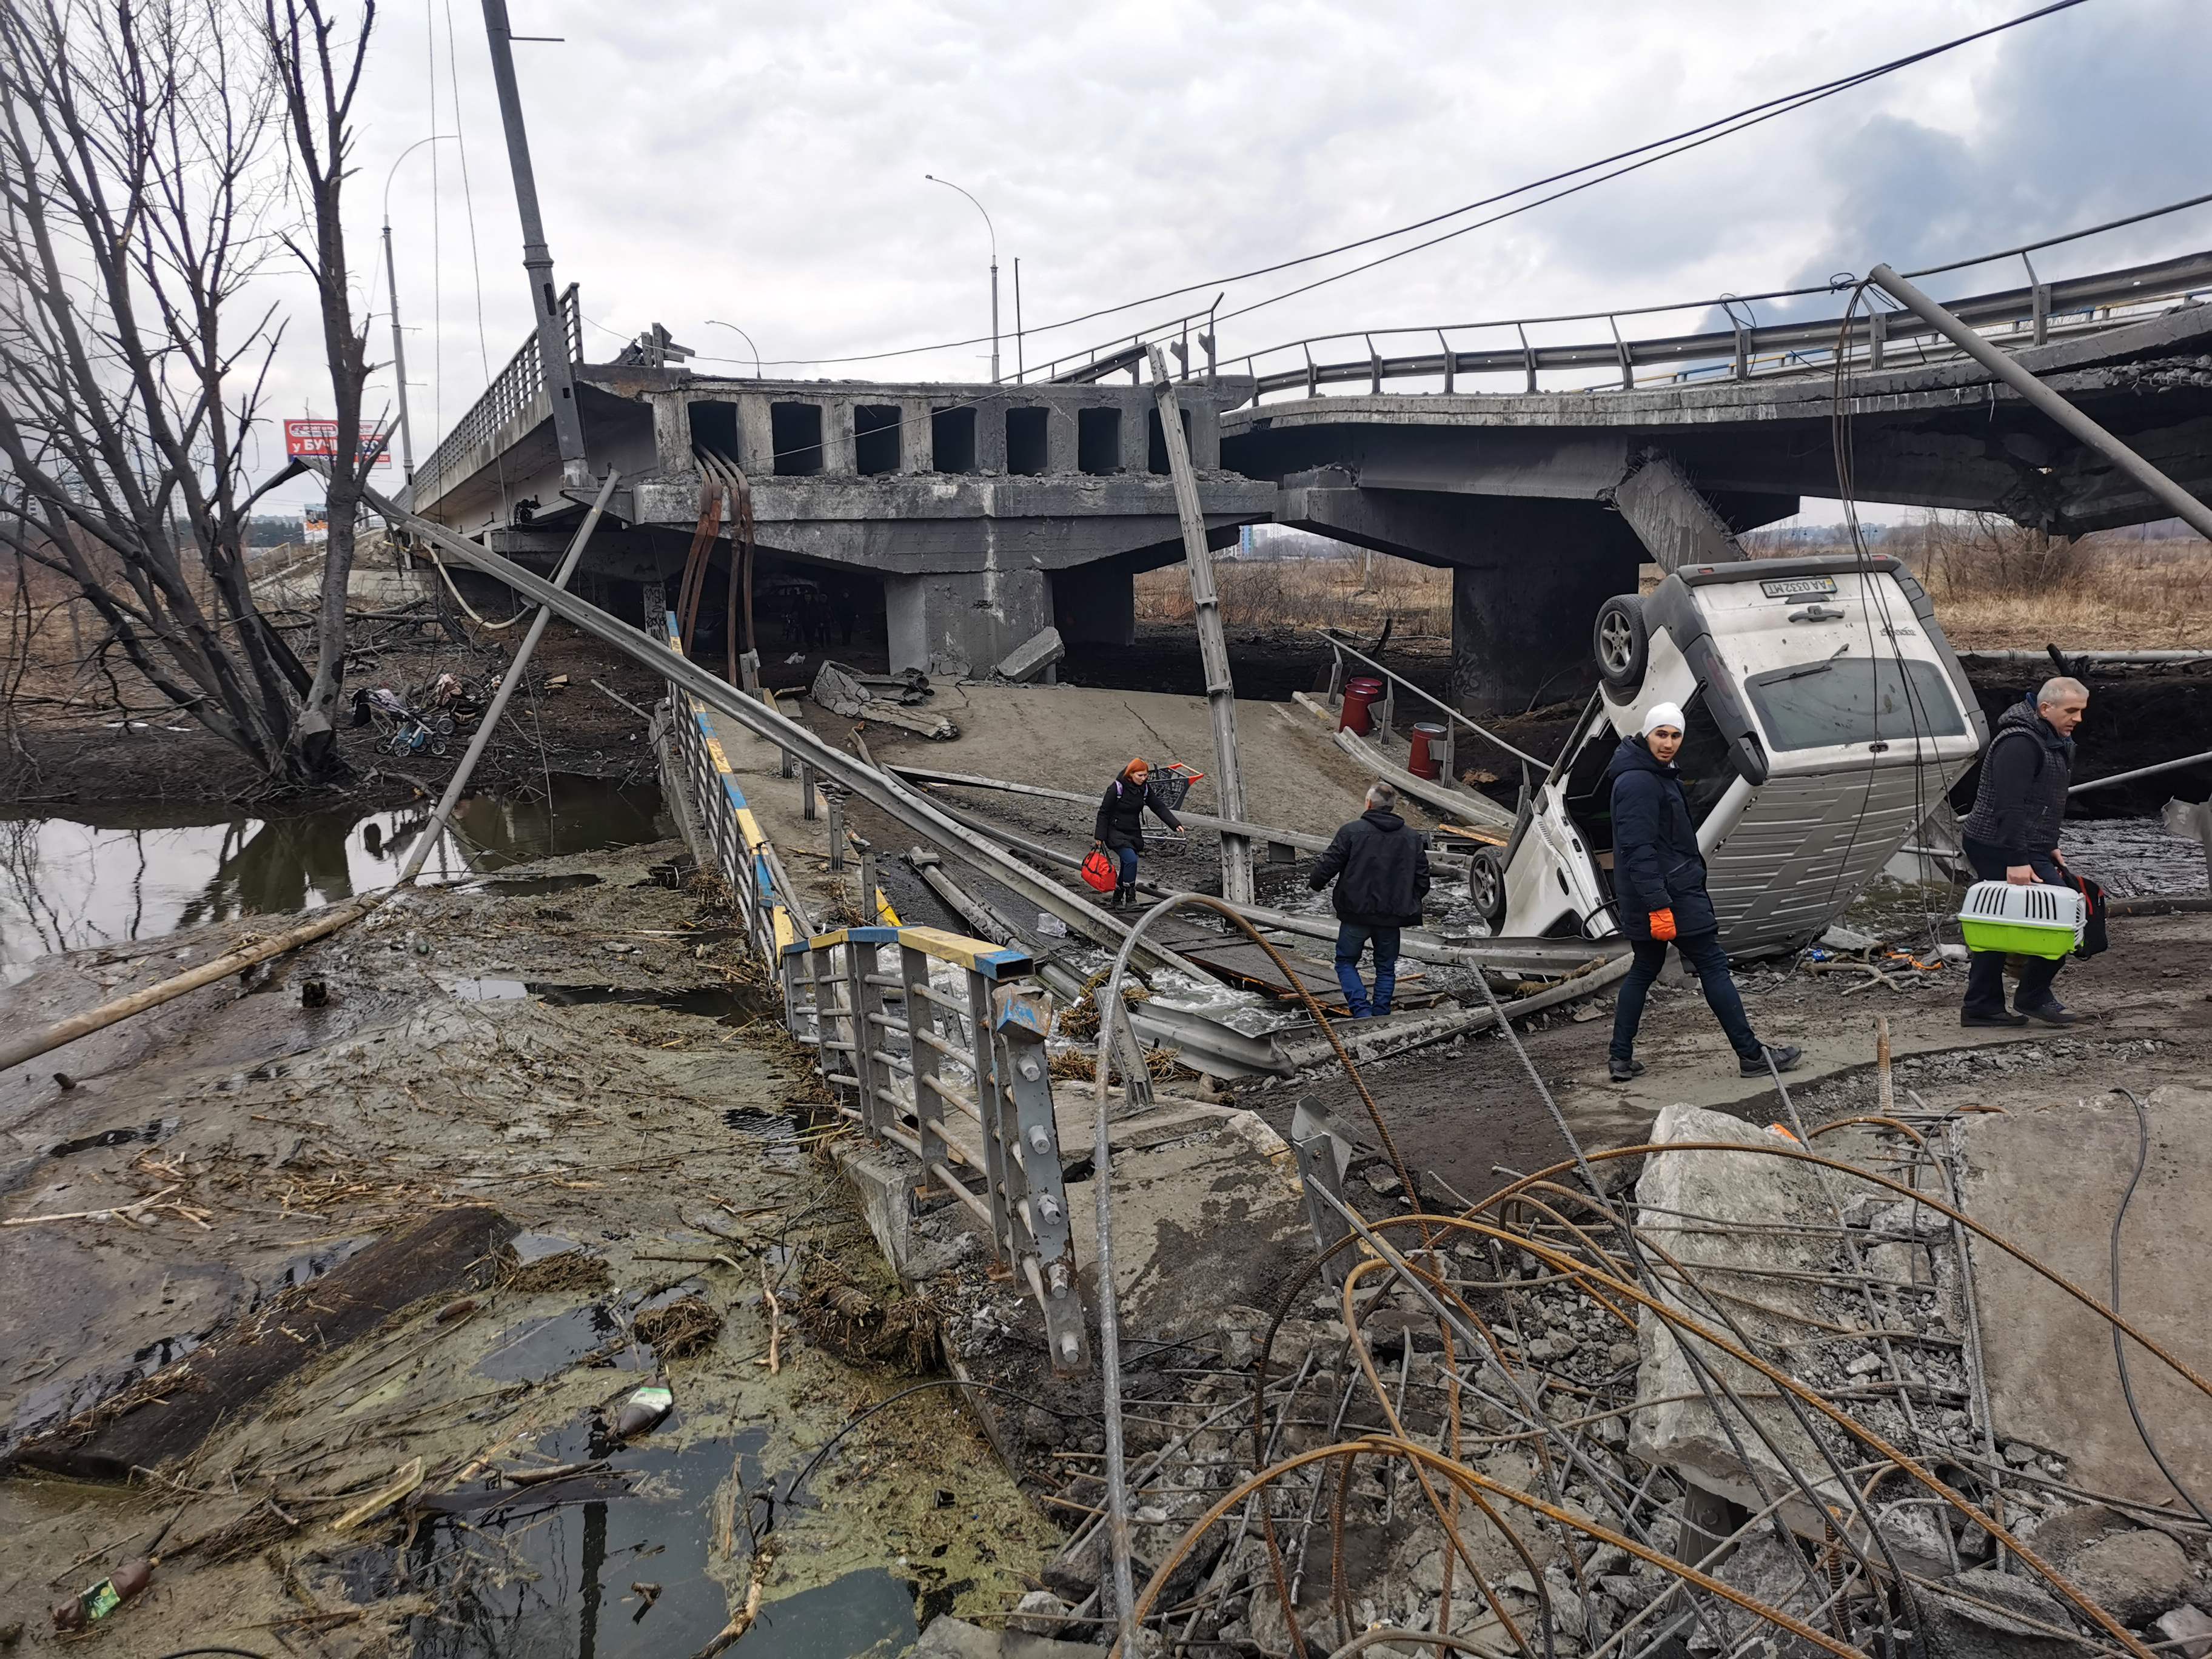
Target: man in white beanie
{"points": [[1659, 886]]}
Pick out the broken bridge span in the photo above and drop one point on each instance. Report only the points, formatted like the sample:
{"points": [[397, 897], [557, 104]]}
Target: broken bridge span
{"points": [[976, 515]]}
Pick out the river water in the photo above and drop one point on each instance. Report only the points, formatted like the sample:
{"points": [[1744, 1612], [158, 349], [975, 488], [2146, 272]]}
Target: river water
{"points": [[2135, 857], [110, 873]]}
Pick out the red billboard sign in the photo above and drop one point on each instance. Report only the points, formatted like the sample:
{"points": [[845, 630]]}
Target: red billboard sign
{"points": [[318, 440]]}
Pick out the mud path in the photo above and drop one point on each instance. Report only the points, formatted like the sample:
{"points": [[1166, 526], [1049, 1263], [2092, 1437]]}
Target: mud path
{"points": [[589, 1063]]}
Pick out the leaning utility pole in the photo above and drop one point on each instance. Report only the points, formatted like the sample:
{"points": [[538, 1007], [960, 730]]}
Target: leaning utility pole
{"points": [[2155, 485], [399, 360], [537, 257], [1213, 641]]}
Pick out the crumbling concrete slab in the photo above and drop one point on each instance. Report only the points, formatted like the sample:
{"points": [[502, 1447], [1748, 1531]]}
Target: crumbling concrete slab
{"points": [[1746, 1262], [1032, 657], [2051, 1180]]}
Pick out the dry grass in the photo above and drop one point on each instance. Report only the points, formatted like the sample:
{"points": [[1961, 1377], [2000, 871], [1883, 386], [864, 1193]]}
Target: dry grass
{"points": [[1999, 587], [1356, 594]]}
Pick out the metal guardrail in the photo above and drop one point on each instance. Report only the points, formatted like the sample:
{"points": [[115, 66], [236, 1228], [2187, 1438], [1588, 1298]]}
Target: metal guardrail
{"points": [[2031, 315], [968, 1042], [977, 1049], [512, 392]]}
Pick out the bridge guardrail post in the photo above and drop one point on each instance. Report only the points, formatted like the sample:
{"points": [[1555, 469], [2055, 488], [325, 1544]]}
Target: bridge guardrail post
{"points": [[834, 1020], [1026, 1136], [922, 1023]]}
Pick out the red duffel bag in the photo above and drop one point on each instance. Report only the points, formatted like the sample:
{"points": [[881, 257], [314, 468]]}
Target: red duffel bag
{"points": [[1099, 872]]}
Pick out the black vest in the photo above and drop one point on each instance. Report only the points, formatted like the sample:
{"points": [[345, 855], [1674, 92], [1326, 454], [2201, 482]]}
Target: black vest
{"points": [[2043, 806]]}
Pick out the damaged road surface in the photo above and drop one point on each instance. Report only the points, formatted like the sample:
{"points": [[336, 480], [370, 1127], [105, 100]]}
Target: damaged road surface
{"points": [[430, 1320]]}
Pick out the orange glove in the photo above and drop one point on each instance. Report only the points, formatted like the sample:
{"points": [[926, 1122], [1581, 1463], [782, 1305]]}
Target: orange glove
{"points": [[1662, 924]]}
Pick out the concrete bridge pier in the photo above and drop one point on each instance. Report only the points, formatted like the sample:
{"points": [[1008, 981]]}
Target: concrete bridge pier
{"points": [[1528, 576], [941, 618]]}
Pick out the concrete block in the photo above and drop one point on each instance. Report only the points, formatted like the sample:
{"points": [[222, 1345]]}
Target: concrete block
{"points": [[1027, 660], [884, 1177], [2133, 1576], [2190, 1629], [1687, 1435], [948, 1638], [2050, 1179]]}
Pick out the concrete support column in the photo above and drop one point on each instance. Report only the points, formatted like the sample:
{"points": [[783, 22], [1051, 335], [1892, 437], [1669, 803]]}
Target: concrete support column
{"points": [[1205, 438], [1521, 633], [837, 459], [671, 434], [917, 436], [1137, 437], [755, 435], [991, 436], [963, 618], [1095, 604], [1060, 438]]}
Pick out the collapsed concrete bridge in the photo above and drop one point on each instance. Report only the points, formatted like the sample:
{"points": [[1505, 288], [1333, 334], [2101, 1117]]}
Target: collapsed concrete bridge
{"points": [[974, 515]]}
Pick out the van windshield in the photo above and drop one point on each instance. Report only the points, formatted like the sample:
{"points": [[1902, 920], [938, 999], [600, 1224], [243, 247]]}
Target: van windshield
{"points": [[1855, 700]]}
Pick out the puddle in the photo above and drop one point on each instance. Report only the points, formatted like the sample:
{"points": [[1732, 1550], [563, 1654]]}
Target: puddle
{"points": [[768, 1125], [617, 1564], [2134, 856], [539, 1348], [529, 886], [105, 874], [151, 1132], [718, 1003], [529, 1577]]}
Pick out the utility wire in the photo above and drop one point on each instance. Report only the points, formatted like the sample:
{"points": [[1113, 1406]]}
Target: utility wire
{"points": [[1675, 143]]}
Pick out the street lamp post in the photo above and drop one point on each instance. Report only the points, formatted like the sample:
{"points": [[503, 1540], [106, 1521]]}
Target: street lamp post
{"points": [[746, 338], [992, 229], [391, 284]]}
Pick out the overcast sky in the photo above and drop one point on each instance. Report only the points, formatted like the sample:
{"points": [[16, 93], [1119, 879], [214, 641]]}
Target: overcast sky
{"points": [[762, 164]]}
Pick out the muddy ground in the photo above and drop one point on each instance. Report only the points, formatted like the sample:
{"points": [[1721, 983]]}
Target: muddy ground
{"points": [[467, 1053], [2146, 1003]]}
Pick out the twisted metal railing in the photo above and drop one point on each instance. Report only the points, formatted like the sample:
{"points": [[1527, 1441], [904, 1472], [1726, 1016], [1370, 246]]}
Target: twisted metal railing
{"points": [[513, 392]]}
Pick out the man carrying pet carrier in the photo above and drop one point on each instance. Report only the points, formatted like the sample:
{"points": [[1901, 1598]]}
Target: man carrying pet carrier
{"points": [[2011, 835]]}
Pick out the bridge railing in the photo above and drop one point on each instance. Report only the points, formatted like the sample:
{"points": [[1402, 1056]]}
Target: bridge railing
{"points": [[2029, 315], [941, 1052], [512, 391]]}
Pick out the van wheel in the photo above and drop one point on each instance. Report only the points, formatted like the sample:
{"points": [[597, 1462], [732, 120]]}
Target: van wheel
{"points": [[1622, 643], [1486, 886]]}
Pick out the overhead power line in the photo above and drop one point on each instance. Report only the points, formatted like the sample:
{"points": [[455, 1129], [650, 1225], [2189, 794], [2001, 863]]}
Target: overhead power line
{"points": [[1653, 150]]}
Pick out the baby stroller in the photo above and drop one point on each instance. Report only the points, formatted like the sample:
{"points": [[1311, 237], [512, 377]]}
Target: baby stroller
{"points": [[401, 729]]}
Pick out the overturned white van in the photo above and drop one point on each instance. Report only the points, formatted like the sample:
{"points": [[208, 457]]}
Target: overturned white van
{"points": [[1826, 718]]}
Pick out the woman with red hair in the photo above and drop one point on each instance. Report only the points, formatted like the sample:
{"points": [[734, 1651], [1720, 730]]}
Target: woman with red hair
{"points": [[1121, 829]]}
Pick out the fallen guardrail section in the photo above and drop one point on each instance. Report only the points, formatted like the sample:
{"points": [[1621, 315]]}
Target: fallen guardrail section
{"points": [[952, 1024]]}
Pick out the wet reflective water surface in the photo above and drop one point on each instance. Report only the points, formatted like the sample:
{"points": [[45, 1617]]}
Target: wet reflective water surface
{"points": [[107, 874], [2134, 856]]}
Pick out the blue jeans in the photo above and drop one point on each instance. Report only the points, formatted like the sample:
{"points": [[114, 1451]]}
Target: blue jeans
{"points": [[1351, 940], [1703, 952], [1126, 857]]}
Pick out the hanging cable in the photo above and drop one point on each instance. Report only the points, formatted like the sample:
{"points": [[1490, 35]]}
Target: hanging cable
{"points": [[1672, 144]]}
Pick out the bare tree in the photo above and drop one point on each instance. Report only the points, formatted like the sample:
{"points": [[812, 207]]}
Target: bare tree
{"points": [[318, 72], [141, 190]]}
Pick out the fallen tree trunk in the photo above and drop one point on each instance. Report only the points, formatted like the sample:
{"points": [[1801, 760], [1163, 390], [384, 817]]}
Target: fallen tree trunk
{"points": [[38, 1043]]}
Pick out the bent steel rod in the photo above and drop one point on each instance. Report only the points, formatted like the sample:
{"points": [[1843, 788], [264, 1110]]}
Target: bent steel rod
{"points": [[2172, 496]]}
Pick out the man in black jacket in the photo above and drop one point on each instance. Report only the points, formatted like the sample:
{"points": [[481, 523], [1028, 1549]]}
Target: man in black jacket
{"points": [[2011, 835], [1381, 869], [1659, 886]]}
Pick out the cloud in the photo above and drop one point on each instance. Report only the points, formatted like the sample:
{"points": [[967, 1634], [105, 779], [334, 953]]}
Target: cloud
{"points": [[762, 164]]}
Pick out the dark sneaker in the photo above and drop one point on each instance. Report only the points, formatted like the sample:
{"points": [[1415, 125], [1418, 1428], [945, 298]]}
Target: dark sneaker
{"points": [[1623, 1070], [1786, 1058], [2053, 1012], [2003, 1016]]}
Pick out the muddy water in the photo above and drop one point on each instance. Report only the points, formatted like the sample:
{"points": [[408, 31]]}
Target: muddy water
{"points": [[2134, 856], [103, 875]]}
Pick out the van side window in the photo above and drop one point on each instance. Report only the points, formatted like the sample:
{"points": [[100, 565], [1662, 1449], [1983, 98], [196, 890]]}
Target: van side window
{"points": [[1705, 764]]}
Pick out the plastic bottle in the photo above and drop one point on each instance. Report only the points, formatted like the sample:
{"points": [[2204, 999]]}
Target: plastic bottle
{"points": [[642, 1412], [127, 1583]]}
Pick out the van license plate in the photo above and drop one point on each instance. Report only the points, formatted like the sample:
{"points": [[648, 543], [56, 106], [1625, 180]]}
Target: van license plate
{"points": [[1798, 587]]}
